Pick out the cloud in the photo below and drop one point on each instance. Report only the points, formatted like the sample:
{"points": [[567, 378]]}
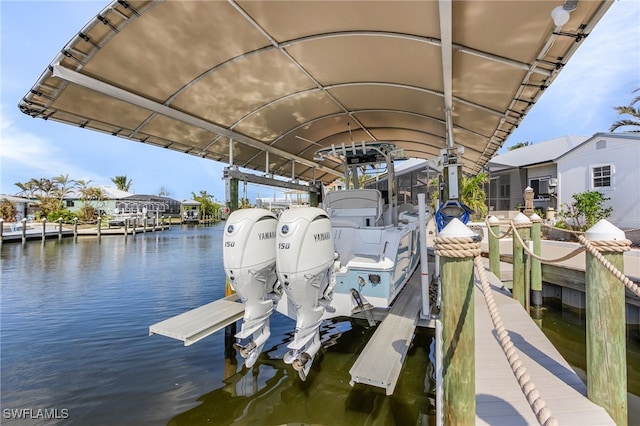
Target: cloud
{"points": [[24, 152], [604, 70]]}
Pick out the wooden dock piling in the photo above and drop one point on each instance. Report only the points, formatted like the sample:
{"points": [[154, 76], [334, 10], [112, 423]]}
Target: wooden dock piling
{"points": [[523, 227], [458, 328], [536, 266], [605, 318], [494, 245]]}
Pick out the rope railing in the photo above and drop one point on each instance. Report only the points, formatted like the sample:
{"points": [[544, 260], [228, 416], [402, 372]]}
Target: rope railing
{"points": [[594, 247], [532, 254], [465, 247], [506, 234], [536, 402]]}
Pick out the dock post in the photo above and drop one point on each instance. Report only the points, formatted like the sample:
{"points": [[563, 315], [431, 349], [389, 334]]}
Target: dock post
{"points": [[424, 259], [75, 228], [44, 229], [59, 228], [494, 246], [1, 230], [24, 230], [133, 228], [99, 227], [458, 323], [126, 227], [523, 227], [605, 318], [536, 266]]}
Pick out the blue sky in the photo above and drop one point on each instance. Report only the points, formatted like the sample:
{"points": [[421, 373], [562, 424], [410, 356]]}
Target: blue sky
{"points": [[601, 74]]}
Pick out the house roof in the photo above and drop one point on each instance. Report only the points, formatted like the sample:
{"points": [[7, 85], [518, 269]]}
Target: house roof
{"points": [[16, 199], [278, 80], [108, 192], [537, 153]]}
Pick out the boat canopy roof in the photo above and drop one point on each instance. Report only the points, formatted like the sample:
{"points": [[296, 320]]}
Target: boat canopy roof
{"points": [[283, 79]]}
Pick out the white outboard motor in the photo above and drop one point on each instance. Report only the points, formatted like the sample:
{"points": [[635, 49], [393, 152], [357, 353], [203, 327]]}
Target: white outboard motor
{"points": [[305, 259], [249, 256]]}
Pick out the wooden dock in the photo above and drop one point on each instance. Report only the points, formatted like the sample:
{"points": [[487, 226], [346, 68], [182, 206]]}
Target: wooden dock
{"points": [[499, 400]]}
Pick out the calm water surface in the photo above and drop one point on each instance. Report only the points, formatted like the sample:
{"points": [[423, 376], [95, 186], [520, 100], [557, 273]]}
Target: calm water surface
{"points": [[74, 338]]}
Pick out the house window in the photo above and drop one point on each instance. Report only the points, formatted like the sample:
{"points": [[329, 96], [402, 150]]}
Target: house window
{"points": [[70, 203], [601, 176], [540, 186]]}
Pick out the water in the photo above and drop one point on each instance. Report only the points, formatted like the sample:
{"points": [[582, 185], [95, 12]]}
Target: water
{"points": [[565, 327], [74, 341]]}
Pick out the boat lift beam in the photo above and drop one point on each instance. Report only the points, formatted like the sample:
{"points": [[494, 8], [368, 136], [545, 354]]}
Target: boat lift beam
{"points": [[196, 324]]}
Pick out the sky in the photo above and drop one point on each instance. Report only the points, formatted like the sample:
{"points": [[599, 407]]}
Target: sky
{"points": [[602, 74]]}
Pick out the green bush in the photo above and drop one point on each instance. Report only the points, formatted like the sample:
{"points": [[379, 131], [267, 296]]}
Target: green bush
{"points": [[585, 210], [66, 215]]}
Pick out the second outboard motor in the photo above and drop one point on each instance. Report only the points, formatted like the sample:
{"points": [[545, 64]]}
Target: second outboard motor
{"points": [[305, 258], [249, 256]]}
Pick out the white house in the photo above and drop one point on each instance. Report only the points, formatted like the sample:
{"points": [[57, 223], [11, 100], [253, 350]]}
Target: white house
{"points": [[558, 168]]}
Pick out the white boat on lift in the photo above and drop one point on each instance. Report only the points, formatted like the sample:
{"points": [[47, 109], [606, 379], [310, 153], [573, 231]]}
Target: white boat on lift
{"points": [[343, 260]]}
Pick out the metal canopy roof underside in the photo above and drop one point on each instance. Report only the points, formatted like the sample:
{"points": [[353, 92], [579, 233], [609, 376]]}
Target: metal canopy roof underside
{"points": [[290, 77]]}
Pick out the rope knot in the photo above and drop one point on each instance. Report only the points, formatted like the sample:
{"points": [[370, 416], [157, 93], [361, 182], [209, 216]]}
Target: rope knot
{"points": [[457, 247]]}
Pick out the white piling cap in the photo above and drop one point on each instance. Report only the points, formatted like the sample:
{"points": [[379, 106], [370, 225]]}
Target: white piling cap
{"points": [[456, 229], [534, 217], [604, 231], [528, 189], [493, 219], [521, 218]]}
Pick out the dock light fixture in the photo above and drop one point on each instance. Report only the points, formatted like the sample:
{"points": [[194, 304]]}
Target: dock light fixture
{"points": [[560, 14]]}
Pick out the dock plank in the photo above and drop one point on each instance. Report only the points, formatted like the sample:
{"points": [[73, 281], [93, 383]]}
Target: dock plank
{"points": [[380, 362], [499, 400], [196, 324]]}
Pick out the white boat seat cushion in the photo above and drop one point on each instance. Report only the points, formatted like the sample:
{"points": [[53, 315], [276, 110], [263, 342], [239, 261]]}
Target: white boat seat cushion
{"points": [[362, 207]]}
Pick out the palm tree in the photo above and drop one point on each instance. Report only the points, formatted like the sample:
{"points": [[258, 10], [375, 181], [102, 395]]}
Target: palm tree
{"points": [[121, 182], [519, 145], [89, 194], [628, 110], [64, 186]]}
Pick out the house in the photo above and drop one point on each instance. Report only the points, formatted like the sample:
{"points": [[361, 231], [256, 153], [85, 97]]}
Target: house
{"points": [[558, 168], [117, 202], [25, 208]]}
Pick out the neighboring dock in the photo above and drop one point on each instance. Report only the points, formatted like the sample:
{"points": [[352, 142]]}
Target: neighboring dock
{"points": [[38, 231]]}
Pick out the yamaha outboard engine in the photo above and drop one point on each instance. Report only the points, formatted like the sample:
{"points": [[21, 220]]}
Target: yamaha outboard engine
{"points": [[249, 257], [305, 259]]}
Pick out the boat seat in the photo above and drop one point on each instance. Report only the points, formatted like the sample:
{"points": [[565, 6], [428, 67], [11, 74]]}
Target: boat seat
{"points": [[354, 207]]}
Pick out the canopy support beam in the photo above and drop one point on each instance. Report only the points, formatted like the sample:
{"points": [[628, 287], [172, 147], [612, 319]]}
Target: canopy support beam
{"points": [[142, 102]]}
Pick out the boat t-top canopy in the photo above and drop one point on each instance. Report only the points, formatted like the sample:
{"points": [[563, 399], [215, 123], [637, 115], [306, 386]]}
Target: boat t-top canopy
{"points": [[282, 79]]}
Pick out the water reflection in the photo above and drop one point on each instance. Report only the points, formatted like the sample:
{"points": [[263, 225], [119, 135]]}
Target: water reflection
{"points": [[271, 392]]}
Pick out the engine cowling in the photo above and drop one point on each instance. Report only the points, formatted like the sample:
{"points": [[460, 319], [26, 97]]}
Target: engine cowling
{"points": [[305, 258], [249, 258]]}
